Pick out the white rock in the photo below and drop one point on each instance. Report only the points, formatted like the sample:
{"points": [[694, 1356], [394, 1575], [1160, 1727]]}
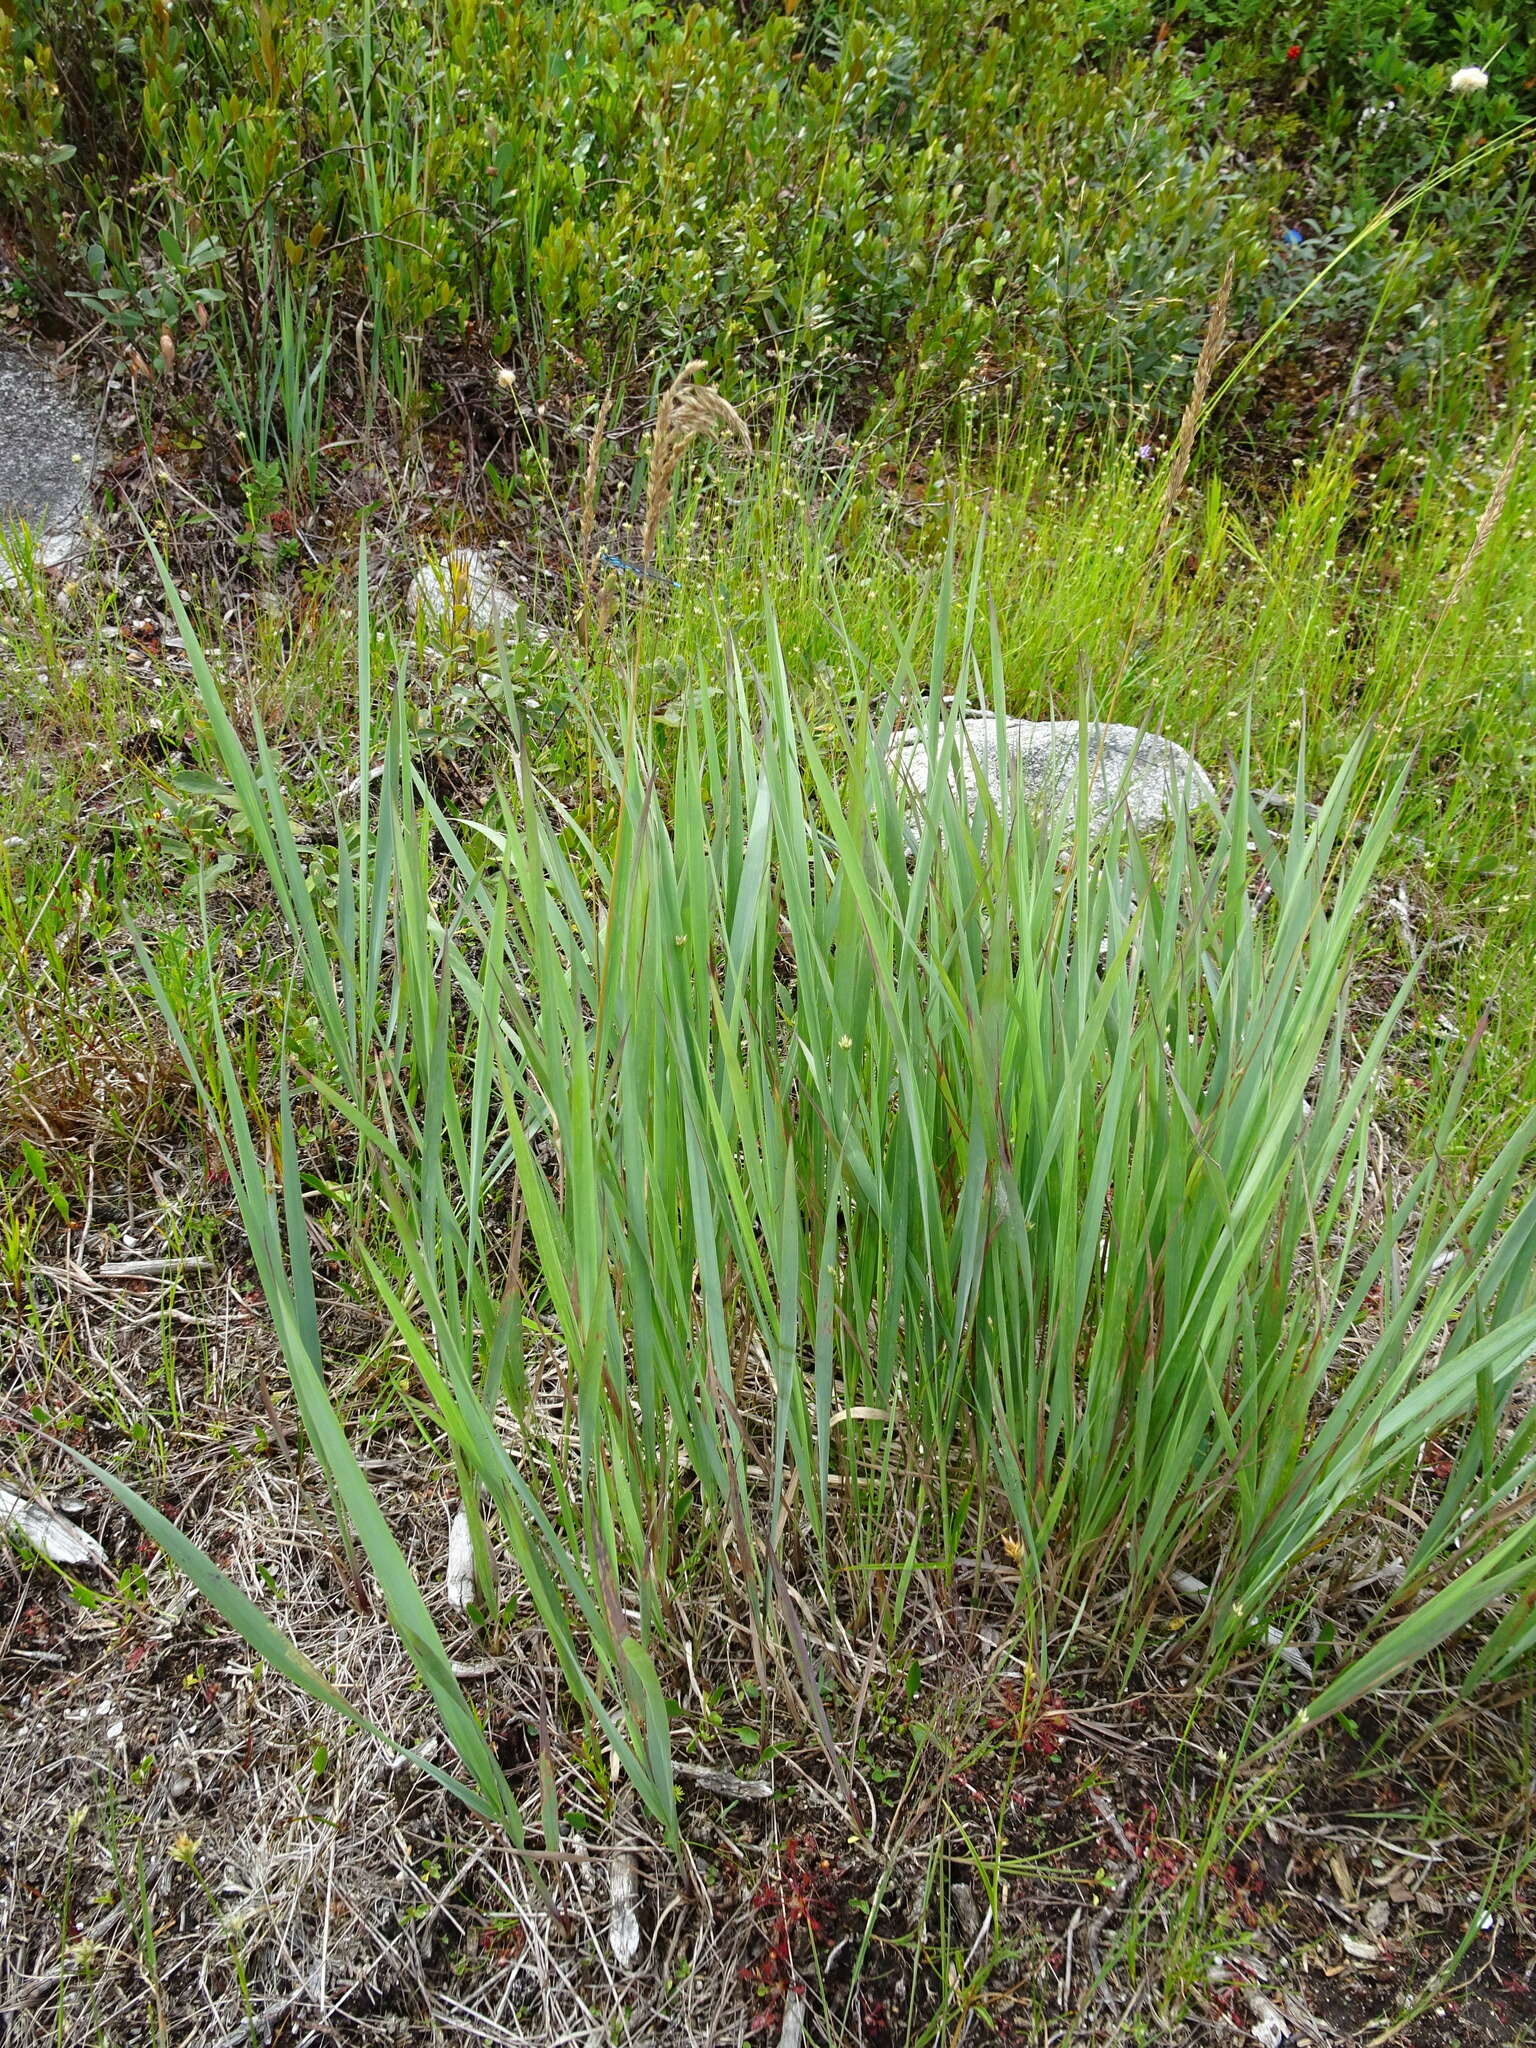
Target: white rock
{"points": [[624, 1909], [459, 1578], [1142, 776], [48, 551], [461, 593], [48, 1531]]}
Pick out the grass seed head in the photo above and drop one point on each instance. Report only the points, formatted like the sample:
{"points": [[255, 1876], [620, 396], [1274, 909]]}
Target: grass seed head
{"points": [[589, 482], [688, 412], [1205, 368]]}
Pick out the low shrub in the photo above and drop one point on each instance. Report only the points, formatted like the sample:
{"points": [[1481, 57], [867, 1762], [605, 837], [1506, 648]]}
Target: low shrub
{"points": [[925, 205]]}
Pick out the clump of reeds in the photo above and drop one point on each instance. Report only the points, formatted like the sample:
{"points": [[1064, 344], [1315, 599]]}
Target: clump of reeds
{"points": [[687, 412], [681, 1171]]}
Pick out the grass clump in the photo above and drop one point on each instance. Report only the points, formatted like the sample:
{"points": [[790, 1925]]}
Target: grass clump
{"points": [[779, 1197], [940, 1341]]}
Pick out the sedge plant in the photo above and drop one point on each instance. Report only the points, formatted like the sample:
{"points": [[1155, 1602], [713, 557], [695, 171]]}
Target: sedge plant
{"points": [[799, 1184]]}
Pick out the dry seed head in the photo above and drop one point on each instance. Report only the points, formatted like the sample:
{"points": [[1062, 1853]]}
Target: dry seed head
{"points": [[1210, 352], [1480, 540], [702, 410], [589, 490], [1487, 523], [687, 412]]}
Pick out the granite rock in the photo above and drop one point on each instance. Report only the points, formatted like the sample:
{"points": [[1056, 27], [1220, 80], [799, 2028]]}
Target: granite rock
{"points": [[461, 593], [1141, 775], [47, 454]]}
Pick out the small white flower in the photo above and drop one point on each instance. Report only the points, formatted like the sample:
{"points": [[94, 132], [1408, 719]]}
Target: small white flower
{"points": [[1469, 79]]}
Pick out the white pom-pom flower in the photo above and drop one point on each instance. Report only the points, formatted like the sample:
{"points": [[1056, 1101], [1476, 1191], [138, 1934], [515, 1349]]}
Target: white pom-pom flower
{"points": [[1469, 79]]}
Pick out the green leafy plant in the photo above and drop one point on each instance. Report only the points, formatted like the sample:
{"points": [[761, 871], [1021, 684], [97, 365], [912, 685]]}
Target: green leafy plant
{"points": [[635, 183], [185, 282]]}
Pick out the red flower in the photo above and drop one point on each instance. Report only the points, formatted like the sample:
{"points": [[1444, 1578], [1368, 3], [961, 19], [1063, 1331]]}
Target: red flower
{"points": [[1293, 53]]}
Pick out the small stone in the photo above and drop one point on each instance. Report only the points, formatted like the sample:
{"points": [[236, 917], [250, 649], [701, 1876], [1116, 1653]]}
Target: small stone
{"points": [[1139, 775], [459, 1579], [461, 594]]}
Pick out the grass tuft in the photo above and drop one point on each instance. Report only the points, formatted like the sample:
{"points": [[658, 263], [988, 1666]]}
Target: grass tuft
{"points": [[787, 1187]]}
